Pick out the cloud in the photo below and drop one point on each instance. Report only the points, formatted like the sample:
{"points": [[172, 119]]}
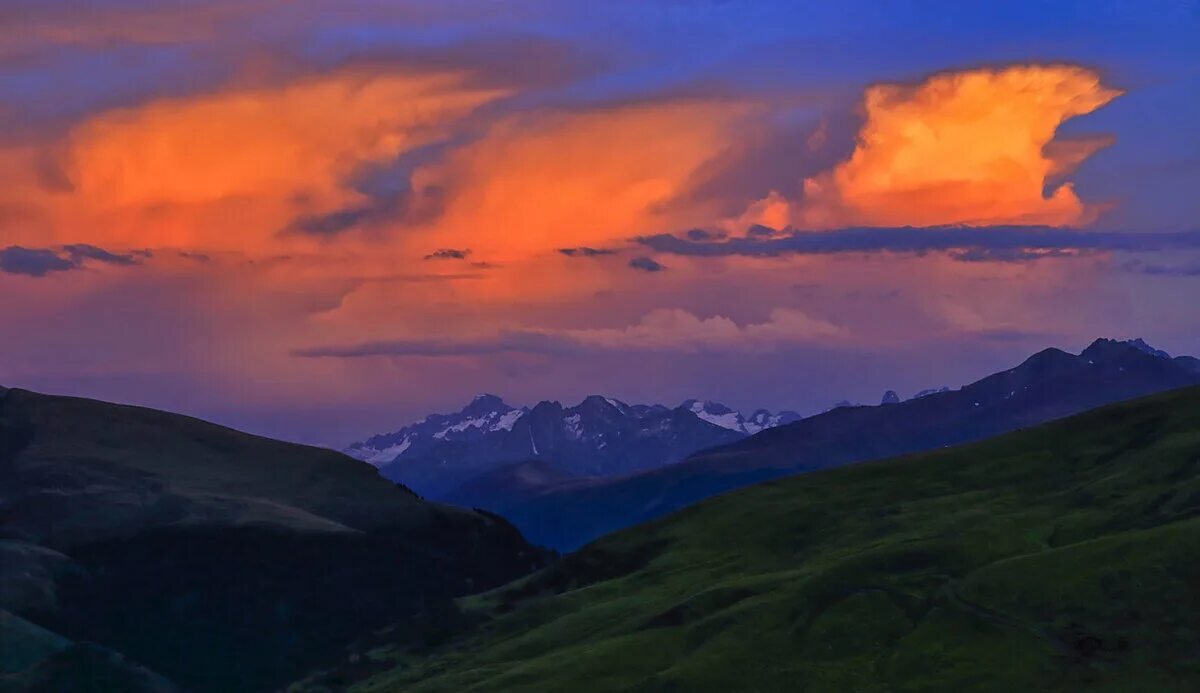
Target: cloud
{"points": [[1158, 270], [646, 264], [33, 262], [449, 254], [332, 223], [705, 235], [967, 147], [679, 330], [583, 178], [227, 170], [517, 341], [584, 251], [1013, 254], [78, 252], [1005, 243], [662, 330], [38, 262]]}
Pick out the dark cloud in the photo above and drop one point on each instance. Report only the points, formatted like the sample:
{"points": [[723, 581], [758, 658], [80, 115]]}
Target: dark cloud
{"points": [[33, 262], [760, 232], [705, 235], [82, 251], [584, 251], [1156, 270], [38, 262], [331, 224], [449, 254], [1007, 243], [646, 264]]}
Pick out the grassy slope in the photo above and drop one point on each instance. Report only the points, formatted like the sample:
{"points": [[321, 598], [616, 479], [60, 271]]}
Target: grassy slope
{"points": [[1056, 558], [118, 469], [223, 561]]}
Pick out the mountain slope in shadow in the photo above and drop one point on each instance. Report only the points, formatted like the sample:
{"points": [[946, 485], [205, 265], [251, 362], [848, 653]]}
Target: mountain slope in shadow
{"points": [[218, 560]]}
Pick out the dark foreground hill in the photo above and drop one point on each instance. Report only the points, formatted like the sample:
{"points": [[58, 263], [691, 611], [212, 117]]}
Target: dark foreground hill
{"points": [[141, 550], [1060, 558], [1048, 385]]}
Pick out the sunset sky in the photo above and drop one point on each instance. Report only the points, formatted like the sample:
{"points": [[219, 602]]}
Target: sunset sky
{"points": [[317, 220]]}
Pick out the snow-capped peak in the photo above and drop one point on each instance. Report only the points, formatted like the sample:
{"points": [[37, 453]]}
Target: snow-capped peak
{"points": [[483, 414], [717, 414], [720, 415], [594, 421]]}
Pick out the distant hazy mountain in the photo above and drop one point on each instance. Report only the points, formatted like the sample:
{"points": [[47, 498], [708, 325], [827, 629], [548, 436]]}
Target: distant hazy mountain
{"points": [[599, 437], [1049, 385], [218, 560], [510, 483]]}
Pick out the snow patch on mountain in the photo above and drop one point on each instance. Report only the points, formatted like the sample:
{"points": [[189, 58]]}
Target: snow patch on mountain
{"points": [[506, 420], [595, 423], [720, 415]]}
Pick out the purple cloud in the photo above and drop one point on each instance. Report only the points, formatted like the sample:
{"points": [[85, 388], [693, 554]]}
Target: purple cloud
{"points": [[1008, 243], [646, 264]]}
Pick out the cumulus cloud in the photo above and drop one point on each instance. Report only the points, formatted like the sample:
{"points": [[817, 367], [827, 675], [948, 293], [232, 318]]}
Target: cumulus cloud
{"points": [[646, 264], [968, 147], [583, 178], [175, 172], [1007, 243]]}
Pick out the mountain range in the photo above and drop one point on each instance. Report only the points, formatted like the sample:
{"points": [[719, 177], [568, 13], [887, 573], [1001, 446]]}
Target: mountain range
{"points": [[1058, 558], [1048, 385], [146, 551], [597, 438]]}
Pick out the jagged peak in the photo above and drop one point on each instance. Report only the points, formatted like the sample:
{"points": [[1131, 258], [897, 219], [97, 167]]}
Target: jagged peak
{"points": [[1048, 355], [1141, 345], [706, 405], [486, 397], [1106, 347], [485, 402], [595, 400]]}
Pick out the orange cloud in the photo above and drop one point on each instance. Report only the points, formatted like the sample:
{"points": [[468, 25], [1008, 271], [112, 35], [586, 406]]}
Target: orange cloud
{"points": [[975, 147], [227, 171], [548, 180]]}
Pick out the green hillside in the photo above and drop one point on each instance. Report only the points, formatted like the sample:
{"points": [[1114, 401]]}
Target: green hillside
{"points": [[1063, 557]]}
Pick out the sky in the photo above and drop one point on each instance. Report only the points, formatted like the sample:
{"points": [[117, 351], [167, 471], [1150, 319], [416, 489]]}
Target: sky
{"points": [[321, 219]]}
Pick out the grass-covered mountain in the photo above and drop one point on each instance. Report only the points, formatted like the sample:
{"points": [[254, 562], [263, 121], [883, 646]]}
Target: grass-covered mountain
{"points": [[211, 559], [1048, 385], [1063, 557]]}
